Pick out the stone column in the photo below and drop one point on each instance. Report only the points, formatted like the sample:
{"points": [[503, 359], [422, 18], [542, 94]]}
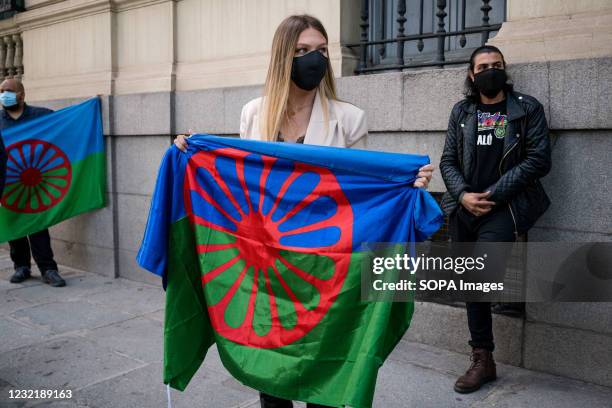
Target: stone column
{"points": [[2, 59], [18, 55], [10, 55], [548, 30]]}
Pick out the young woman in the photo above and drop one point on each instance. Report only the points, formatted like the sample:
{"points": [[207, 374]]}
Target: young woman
{"points": [[299, 105]]}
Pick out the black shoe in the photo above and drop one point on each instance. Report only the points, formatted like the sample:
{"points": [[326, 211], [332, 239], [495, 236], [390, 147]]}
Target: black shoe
{"points": [[22, 273], [514, 309], [53, 278]]}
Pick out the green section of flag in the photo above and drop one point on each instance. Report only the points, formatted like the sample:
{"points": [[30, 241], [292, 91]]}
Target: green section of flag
{"points": [[335, 364], [86, 193], [187, 330]]}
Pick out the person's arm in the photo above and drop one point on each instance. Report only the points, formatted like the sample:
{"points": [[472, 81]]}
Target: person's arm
{"points": [[536, 163], [356, 137], [243, 122], [449, 162], [3, 159]]}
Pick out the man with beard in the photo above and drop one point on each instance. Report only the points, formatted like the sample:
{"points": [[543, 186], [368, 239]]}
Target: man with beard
{"points": [[14, 112], [496, 150]]}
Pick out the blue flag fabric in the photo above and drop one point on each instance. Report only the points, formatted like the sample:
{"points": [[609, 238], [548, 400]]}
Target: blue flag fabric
{"points": [[378, 185], [55, 169]]}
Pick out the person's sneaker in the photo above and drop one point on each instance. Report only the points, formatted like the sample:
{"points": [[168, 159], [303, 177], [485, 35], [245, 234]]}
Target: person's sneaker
{"points": [[480, 372], [22, 273], [53, 278]]}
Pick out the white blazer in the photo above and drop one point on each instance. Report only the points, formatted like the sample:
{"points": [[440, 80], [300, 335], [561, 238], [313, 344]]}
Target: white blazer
{"points": [[346, 124]]}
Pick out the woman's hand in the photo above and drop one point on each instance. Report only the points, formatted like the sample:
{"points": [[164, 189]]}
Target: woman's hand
{"points": [[424, 176], [180, 141]]}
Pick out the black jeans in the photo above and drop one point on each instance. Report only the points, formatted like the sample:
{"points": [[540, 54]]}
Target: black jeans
{"points": [[496, 226], [268, 401], [40, 246]]}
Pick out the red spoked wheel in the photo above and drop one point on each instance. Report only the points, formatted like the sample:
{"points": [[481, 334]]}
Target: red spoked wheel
{"points": [[273, 260], [38, 176]]}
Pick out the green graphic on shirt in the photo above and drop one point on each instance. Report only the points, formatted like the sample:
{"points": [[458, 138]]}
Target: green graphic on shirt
{"points": [[500, 132]]}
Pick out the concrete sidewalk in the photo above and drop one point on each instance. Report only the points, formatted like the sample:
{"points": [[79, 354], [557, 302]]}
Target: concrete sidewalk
{"points": [[102, 339]]}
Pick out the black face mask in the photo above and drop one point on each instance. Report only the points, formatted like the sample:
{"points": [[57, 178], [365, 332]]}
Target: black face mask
{"points": [[491, 81], [308, 70]]}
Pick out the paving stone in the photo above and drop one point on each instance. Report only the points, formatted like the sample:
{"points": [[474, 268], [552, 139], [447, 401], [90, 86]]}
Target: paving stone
{"points": [[138, 338], [77, 287], [144, 388], [157, 315], [16, 334], [408, 385], [212, 361], [444, 361], [57, 404], [10, 303], [5, 262], [133, 298], [5, 401], [528, 389], [61, 317], [63, 363]]}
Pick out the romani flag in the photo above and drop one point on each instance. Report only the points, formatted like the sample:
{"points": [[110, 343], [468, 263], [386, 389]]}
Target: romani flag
{"points": [[55, 170], [259, 243]]}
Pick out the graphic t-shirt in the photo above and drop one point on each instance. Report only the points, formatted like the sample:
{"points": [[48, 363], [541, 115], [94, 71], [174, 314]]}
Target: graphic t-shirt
{"points": [[490, 135]]}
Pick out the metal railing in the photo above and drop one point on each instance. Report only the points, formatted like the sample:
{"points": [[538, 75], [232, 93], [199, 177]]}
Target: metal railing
{"points": [[386, 45], [11, 56]]}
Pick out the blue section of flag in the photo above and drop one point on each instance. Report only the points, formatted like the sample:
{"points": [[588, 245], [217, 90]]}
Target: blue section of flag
{"points": [[58, 128], [378, 186]]}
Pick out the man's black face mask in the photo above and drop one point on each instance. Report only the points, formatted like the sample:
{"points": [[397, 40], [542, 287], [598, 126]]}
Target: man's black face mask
{"points": [[308, 70], [491, 81]]}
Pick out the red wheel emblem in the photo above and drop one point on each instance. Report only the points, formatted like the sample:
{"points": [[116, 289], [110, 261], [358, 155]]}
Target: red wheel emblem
{"points": [[38, 176], [275, 243]]}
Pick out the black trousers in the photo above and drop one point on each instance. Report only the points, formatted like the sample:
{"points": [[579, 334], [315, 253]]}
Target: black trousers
{"points": [[496, 226], [39, 246], [268, 401]]}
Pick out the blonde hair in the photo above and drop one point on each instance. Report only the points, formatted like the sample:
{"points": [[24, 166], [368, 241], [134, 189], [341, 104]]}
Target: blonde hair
{"points": [[278, 80]]}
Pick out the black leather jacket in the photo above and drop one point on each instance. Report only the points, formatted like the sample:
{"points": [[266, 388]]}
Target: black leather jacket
{"points": [[525, 160], [2, 166]]}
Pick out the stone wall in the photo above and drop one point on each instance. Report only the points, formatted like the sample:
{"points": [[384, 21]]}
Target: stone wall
{"points": [[406, 112]]}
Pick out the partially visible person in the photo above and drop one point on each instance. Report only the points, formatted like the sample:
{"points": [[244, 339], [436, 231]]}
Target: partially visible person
{"points": [[37, 245], [300, 106], [497, 148], [3, 159]]}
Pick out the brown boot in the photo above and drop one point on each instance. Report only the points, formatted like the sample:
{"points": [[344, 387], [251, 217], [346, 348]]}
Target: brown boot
{"points": [[480, 372]]}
